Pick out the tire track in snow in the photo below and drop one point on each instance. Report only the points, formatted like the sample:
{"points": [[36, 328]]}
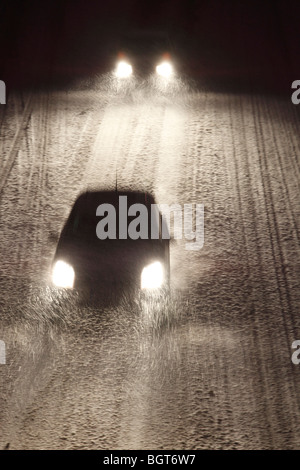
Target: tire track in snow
{"points": [[289, 316], [15, 145], [244, 189]]}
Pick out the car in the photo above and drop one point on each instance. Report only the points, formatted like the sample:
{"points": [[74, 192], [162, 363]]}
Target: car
{"points": [[143, 53], [113, 243]]}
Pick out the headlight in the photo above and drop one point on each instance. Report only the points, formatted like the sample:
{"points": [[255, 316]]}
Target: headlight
{"points": [[123, 69], [152, 276], [63, 275], [164, 69]]}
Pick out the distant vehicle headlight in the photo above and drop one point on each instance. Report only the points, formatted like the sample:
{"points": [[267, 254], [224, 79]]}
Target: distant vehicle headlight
{"points": [[123, 69], [165, 69], [152, 276], [63, 274]]}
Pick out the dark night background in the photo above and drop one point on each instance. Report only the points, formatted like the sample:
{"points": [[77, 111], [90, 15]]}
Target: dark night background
{"points": [[249, 43]]}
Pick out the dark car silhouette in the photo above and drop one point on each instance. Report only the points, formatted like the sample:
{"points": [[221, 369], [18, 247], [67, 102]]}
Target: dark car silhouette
{"points": [[108, 248], [144, 52]]}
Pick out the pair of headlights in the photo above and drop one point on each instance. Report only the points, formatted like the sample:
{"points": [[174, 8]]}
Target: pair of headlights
{"points": [[152, 277], [124, 69]]}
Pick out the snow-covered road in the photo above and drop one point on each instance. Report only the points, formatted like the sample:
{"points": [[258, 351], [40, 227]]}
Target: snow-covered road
{"points": [[216, 371]]}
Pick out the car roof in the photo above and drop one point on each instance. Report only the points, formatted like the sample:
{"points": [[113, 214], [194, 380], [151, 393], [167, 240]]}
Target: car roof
{"points": [[144, 42], [87, 201]]}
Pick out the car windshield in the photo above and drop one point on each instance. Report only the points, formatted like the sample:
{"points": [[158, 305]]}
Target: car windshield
{"points": [[95, 220]]}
